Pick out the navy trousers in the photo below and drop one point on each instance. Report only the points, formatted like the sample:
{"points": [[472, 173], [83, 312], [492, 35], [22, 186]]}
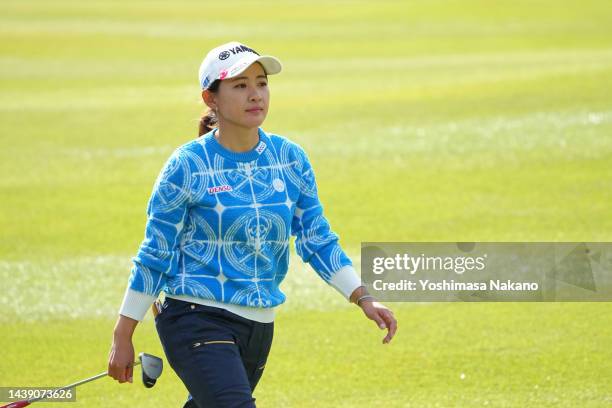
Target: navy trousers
{"points": [[218, 355]]}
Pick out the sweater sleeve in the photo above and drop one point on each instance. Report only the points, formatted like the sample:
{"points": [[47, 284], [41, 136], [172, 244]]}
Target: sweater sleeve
{"points": [[315, 242], [158, 255]]}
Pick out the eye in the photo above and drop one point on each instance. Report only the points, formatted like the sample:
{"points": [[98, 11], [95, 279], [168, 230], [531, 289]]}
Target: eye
{"points": [[263, 83], [240, 86]]}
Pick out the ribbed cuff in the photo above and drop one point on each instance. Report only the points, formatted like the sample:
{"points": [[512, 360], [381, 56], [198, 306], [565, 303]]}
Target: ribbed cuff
{"points": [[345, 280], [135, 304]]}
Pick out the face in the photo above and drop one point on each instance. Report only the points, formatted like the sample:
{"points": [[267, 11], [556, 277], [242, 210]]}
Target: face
{"points": [[243, 100]]}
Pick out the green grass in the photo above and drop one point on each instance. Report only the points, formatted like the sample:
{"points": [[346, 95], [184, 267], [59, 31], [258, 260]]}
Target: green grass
{"points": [[424, 120], [443, 355]]}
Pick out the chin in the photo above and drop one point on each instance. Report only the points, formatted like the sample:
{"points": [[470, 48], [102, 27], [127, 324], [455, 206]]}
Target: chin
{"points": [[252, 123], [247, 122]]}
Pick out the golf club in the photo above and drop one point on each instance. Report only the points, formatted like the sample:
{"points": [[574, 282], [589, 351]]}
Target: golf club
{"points": [[152, 367]]}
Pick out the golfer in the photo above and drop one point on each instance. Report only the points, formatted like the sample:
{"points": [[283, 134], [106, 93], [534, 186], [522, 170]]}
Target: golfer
{"points": [[217, 241]]}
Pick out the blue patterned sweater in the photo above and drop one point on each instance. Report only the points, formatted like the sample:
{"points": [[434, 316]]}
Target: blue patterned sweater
{"points": [[219, 224]]}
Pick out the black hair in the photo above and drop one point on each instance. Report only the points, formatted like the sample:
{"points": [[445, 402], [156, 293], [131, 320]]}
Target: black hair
{"points": [[209, 120]]}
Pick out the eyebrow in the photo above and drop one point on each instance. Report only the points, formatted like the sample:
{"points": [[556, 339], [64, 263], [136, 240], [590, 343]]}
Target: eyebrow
{"points": [[244, 77]]}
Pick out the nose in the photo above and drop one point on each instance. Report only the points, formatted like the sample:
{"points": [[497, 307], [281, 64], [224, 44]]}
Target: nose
{"points": [[255, 95]]}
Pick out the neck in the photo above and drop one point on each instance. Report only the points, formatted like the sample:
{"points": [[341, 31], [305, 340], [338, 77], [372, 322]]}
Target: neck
{"points": [[237, 139]]}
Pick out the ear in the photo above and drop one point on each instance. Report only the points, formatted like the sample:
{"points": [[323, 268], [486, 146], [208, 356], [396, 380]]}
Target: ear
{"points": [[209, 99]]}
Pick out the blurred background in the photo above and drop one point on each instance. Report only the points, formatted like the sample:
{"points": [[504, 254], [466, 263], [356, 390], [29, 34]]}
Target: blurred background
{"points": [[424, 120]]}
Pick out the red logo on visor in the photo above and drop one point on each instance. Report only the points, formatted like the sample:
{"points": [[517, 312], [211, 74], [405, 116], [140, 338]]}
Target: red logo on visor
{"points": [[223, 74]]}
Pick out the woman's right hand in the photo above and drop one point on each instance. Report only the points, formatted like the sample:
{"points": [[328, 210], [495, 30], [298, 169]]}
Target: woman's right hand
{"points": [[121, 357]]}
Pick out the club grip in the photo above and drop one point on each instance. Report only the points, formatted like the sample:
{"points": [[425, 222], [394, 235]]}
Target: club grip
{"points": [[17, 404]]}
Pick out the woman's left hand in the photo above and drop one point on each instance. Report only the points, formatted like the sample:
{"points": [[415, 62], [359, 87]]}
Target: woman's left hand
{"points": [[382, 315]]}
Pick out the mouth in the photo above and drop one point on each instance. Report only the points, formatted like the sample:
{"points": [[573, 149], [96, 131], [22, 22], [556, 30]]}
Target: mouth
{"points": [[255, 110]]}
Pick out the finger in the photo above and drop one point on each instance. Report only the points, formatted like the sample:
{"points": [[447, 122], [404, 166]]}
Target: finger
{"points": [[392, 323], [379, 320], [391, 332], [111, 371], [128, 373], [117, 373], [121, 374], [387, 319]]}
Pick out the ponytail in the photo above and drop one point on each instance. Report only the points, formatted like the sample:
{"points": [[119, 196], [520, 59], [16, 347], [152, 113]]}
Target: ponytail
{"points": [[209, 121]]}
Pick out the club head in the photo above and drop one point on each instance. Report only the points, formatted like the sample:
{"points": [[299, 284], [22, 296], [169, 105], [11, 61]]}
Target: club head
{"points": [[151, 368]]}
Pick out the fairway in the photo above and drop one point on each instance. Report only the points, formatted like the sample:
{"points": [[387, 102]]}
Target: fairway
{"points": [[424, 121]]}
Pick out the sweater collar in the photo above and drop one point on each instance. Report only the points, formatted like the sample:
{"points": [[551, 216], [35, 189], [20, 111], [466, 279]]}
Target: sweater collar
{"points": [[211, 141]]}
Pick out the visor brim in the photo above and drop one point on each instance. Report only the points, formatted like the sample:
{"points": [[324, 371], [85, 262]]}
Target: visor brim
{"points": [[270, 64]]}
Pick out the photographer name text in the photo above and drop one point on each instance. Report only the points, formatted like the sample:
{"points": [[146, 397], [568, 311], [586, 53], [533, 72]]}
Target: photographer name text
{"points": [[452, 286]]}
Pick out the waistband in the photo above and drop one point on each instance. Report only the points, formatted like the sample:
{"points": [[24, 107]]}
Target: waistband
{"points": [[262, 315]]}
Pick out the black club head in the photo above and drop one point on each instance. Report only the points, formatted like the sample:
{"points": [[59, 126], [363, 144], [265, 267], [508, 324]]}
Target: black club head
{"points": [[152, 367]]}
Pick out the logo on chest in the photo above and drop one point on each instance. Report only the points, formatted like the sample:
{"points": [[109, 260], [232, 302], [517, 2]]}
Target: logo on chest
{"points": [[219, 189], [260, 147]]}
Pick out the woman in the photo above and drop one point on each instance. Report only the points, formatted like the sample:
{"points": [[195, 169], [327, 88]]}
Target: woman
{"points": [[217, 240]]}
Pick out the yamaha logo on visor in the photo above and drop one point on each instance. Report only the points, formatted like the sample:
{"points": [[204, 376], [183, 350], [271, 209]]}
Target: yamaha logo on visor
{"points": [[224, 55]]}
